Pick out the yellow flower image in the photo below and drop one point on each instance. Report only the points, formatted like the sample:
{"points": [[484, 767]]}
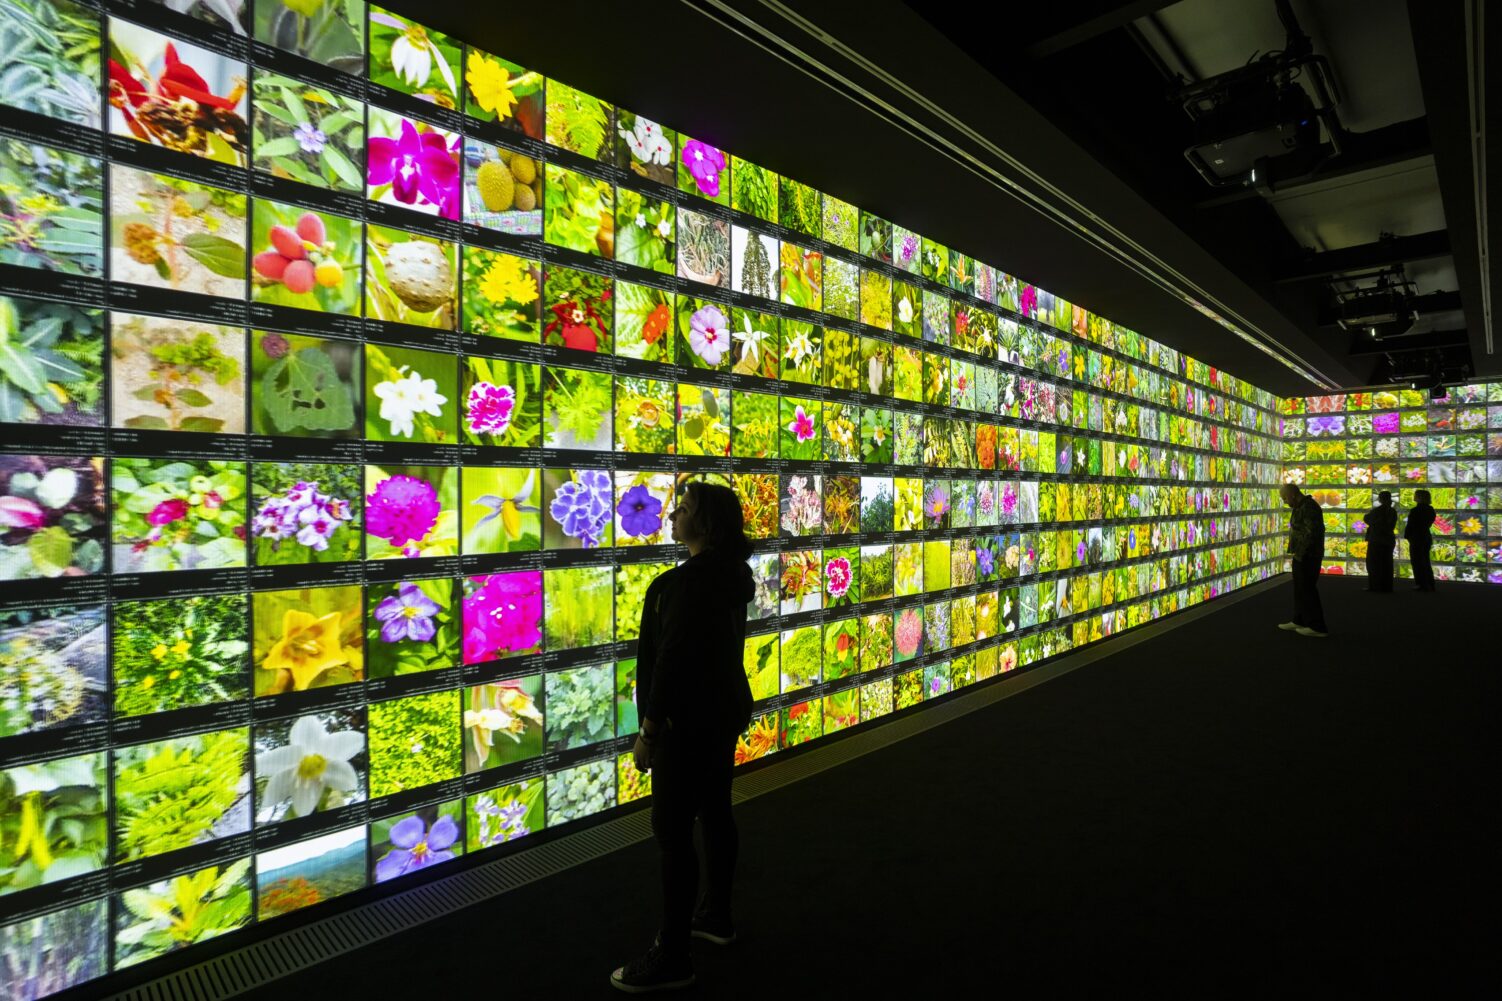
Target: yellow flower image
{"points": [[490, 84], [308, 647], [506, 280]]}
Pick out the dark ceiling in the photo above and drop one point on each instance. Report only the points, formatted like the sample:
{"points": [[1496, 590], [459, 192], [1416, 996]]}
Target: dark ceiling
{"points": [[1385, 197], [1060, 167]]}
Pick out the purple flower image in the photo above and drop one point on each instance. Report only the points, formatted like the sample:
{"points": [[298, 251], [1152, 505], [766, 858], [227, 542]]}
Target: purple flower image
{"points": [[709, 334], [1327, 425], [310, 137], [985, 561], [302, 512], [402, 510], [417, 165], [908, 249], [407, 615], [499, 824], [936, 503], [1385, 423], [416, 846], [581, 507], [641, 513], [704, 164]]}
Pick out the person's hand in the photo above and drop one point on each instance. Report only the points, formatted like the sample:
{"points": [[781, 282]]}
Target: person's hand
{"points": [[641, 754]]}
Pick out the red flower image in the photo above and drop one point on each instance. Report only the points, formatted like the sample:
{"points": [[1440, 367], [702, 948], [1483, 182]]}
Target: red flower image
{"points": [[657, 324], [576, 325], [178, 109]]}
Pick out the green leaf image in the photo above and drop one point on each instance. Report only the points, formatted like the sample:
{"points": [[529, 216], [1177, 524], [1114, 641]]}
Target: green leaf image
{"points": [[302, 391], [221, 256]]}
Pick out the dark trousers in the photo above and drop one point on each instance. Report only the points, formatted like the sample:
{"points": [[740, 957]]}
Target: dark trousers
{"points": [[691, 776], [1379, 564], [1423, 570], [1307, 610]]}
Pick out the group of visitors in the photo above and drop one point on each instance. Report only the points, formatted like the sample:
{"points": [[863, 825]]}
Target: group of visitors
{"points": [[1306, 546]]}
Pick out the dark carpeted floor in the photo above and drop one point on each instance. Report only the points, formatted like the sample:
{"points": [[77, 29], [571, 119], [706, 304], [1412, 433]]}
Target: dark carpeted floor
{"points": [[1223, 810]]}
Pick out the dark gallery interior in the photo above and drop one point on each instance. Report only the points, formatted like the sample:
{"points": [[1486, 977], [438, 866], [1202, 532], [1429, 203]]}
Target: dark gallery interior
{"points": [[737, 498]]}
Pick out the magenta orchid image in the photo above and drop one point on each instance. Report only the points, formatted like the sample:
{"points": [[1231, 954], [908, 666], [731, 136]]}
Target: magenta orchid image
{"points": [[413, 167]]}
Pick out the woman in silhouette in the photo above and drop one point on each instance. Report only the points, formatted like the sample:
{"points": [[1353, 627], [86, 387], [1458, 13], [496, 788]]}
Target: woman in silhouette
{"points": [[693, 700], [1381, 526], [1416, 531]]}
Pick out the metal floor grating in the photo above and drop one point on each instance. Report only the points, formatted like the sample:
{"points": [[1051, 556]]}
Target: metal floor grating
{"points": [[260, 963]]}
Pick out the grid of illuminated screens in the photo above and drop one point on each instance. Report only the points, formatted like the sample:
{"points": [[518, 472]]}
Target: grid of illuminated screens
{"points": [[1345, 448], [348, 375]]}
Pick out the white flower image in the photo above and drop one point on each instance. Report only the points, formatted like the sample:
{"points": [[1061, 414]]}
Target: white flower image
{"points": [[313, 760], [404, 398]]}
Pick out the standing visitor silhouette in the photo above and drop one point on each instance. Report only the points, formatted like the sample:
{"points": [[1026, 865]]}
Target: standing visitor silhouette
{"points": [[694, 701], [1306, 546], [1416, 531], [1381, 526]]}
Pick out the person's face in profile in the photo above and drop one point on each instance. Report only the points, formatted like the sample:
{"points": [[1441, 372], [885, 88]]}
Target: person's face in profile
{"points": [[681, 515], [1290, 496]]}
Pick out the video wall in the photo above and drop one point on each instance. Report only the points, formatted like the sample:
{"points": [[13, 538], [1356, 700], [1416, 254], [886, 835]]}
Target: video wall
{"points": [[1343, 449], [348, 374]]}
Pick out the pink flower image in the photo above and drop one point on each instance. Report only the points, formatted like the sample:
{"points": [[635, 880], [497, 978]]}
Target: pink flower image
{"points": [[18, 512], [417, 165], [802, 424], [837, 577], [503, 616], [704, 164], [709, 335], [488, 408], [168, 511], [401, 510], [1007, 659], [909, 632]]}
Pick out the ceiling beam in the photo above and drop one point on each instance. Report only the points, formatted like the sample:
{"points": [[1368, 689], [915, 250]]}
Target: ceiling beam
{"points": [[1434, 302], [1119, 17], [1364, 151], [1429, 341], [1369, 256]]}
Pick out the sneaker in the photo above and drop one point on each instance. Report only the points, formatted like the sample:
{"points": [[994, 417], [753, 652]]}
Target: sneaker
{"points": [[710, 930], [653, 971], [1307, 631], [1289, 625]]}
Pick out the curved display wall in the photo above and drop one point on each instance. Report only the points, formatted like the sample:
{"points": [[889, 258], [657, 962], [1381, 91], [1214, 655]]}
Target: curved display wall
{"points": [[348, 374], [1345, 448]]}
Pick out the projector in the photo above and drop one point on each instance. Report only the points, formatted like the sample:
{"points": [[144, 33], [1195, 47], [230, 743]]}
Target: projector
{"points": [[1384, 311], [1241, 125]]}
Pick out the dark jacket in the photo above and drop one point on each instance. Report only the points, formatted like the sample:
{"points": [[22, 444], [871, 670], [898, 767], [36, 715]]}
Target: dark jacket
{"points": [[690, 655], [1416, 528], [1306, 530], [1381, 524]]}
